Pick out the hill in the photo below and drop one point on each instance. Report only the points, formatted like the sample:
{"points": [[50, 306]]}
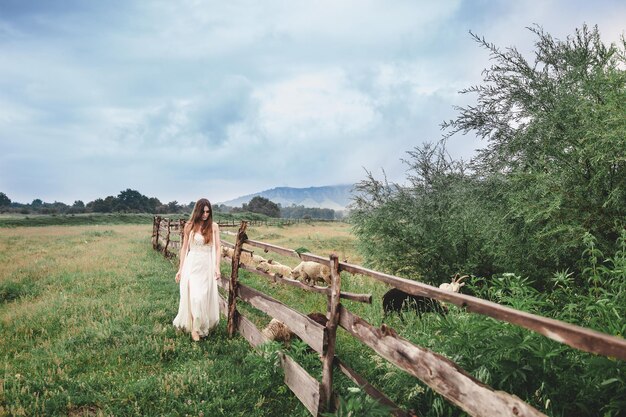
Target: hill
{"points": [[336, 197]]}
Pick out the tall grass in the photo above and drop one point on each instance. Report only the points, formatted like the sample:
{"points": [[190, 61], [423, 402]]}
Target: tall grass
{"points": [[554, 378]]}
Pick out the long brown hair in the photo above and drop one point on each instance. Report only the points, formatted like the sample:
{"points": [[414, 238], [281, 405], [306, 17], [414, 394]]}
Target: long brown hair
{"points": [[206, 228]]}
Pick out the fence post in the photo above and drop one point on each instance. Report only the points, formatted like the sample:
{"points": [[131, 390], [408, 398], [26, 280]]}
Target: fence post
{"points": [[181, 225], [232, 288], [167, 238], [326, 389], [155, 232], [157, 220]]}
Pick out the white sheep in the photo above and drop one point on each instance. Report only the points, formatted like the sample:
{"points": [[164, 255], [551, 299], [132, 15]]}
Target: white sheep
{"points": [[263, 266], [277, 268], [256, 259], [226, 251], [277, 330], [310, 272]]}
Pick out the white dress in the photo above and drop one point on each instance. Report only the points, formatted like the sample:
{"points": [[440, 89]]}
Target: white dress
{"points": [[199, 304]]}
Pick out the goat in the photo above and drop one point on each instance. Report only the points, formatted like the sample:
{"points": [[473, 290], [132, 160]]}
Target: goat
{"points": [[395, 300]]}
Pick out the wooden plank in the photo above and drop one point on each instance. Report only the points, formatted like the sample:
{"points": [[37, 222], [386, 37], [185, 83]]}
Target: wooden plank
{"points": [[277, 249], [438, 372], [362, 298], [370, 389], [303, 385], [578, 337], [223, 283], [250, 332], [313, 258], [308, 330], [223, 306], [227, 244]]}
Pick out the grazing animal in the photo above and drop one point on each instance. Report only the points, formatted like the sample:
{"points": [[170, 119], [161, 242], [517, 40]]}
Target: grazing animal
{"points": [[263, 267], [256, 259], [319, 318], [280, 269], [277, 330], [396, 300], [455, 285], [311, 272]]}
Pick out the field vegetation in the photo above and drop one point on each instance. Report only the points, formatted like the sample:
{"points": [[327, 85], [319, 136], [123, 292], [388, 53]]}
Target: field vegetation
{"points": [[33, 220], [85, 330]]}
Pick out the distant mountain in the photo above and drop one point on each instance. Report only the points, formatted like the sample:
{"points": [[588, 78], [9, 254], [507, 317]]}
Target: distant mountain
{"points": [[336, 197]]}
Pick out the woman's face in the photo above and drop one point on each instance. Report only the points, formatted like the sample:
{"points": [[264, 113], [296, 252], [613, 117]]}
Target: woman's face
{"points": [[205, 213]]}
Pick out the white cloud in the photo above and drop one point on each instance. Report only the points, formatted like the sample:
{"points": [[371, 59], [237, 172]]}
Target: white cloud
{"points": [[314, 107], [175, 98]]}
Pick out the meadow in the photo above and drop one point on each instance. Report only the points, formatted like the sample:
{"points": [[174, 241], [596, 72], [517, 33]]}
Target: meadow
{"points": [[85, 330]]}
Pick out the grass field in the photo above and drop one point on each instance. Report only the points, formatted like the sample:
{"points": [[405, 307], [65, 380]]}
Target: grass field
{"points": [[85, 329]]}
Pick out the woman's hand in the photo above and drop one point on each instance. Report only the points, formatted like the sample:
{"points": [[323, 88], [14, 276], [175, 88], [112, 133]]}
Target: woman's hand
{"points": [[177, 277]]}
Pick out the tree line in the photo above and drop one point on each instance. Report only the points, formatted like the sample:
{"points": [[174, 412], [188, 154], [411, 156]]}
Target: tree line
{"points": [[267, 207], [132, 201], [127, 201]]}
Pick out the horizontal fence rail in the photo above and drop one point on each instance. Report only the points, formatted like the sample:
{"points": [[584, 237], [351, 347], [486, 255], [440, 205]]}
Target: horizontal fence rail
{"points": [[441, 374]]}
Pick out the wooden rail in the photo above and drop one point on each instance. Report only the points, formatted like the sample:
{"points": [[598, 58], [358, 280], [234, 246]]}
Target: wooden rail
{"points": [[439, 373]]}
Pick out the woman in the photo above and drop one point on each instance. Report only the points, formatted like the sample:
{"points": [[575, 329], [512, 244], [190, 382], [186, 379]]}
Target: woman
{"points": [[199, 270]]}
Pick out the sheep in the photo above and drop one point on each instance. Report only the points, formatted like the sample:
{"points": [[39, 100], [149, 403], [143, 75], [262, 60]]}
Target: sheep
{"points": [[311, 272], [395, 300], [246, 258], [277, 268], [263, 266], [277, 330], [256, 259]]}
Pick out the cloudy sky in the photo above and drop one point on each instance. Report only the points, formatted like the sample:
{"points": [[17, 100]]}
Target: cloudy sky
{"points": [[183, 99]]}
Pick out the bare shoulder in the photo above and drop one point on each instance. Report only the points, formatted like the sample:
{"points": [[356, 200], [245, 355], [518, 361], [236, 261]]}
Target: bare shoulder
{"points": [[216, 226]]}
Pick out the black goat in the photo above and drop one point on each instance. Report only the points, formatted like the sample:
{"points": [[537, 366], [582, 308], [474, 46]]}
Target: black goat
{"points": [[395, 300]]}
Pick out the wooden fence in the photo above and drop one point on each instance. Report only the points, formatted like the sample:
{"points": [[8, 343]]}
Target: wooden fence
{"points": [[169, 243], [441, 374]]}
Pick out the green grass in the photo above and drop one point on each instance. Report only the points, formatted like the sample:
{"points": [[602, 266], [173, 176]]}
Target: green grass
{"points": [[552, 377], [37, 220], [85, 329]]}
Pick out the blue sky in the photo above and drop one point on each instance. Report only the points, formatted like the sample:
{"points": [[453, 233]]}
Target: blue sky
{"points": [[185, 99]]}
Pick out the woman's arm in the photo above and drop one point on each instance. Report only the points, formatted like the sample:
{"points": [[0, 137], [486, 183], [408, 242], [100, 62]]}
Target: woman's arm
{"points": [[183, 251], [218, 249]]}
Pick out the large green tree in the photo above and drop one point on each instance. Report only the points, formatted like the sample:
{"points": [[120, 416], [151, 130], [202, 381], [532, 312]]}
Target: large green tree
{"points": [[262, 205], [552, 170]]}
